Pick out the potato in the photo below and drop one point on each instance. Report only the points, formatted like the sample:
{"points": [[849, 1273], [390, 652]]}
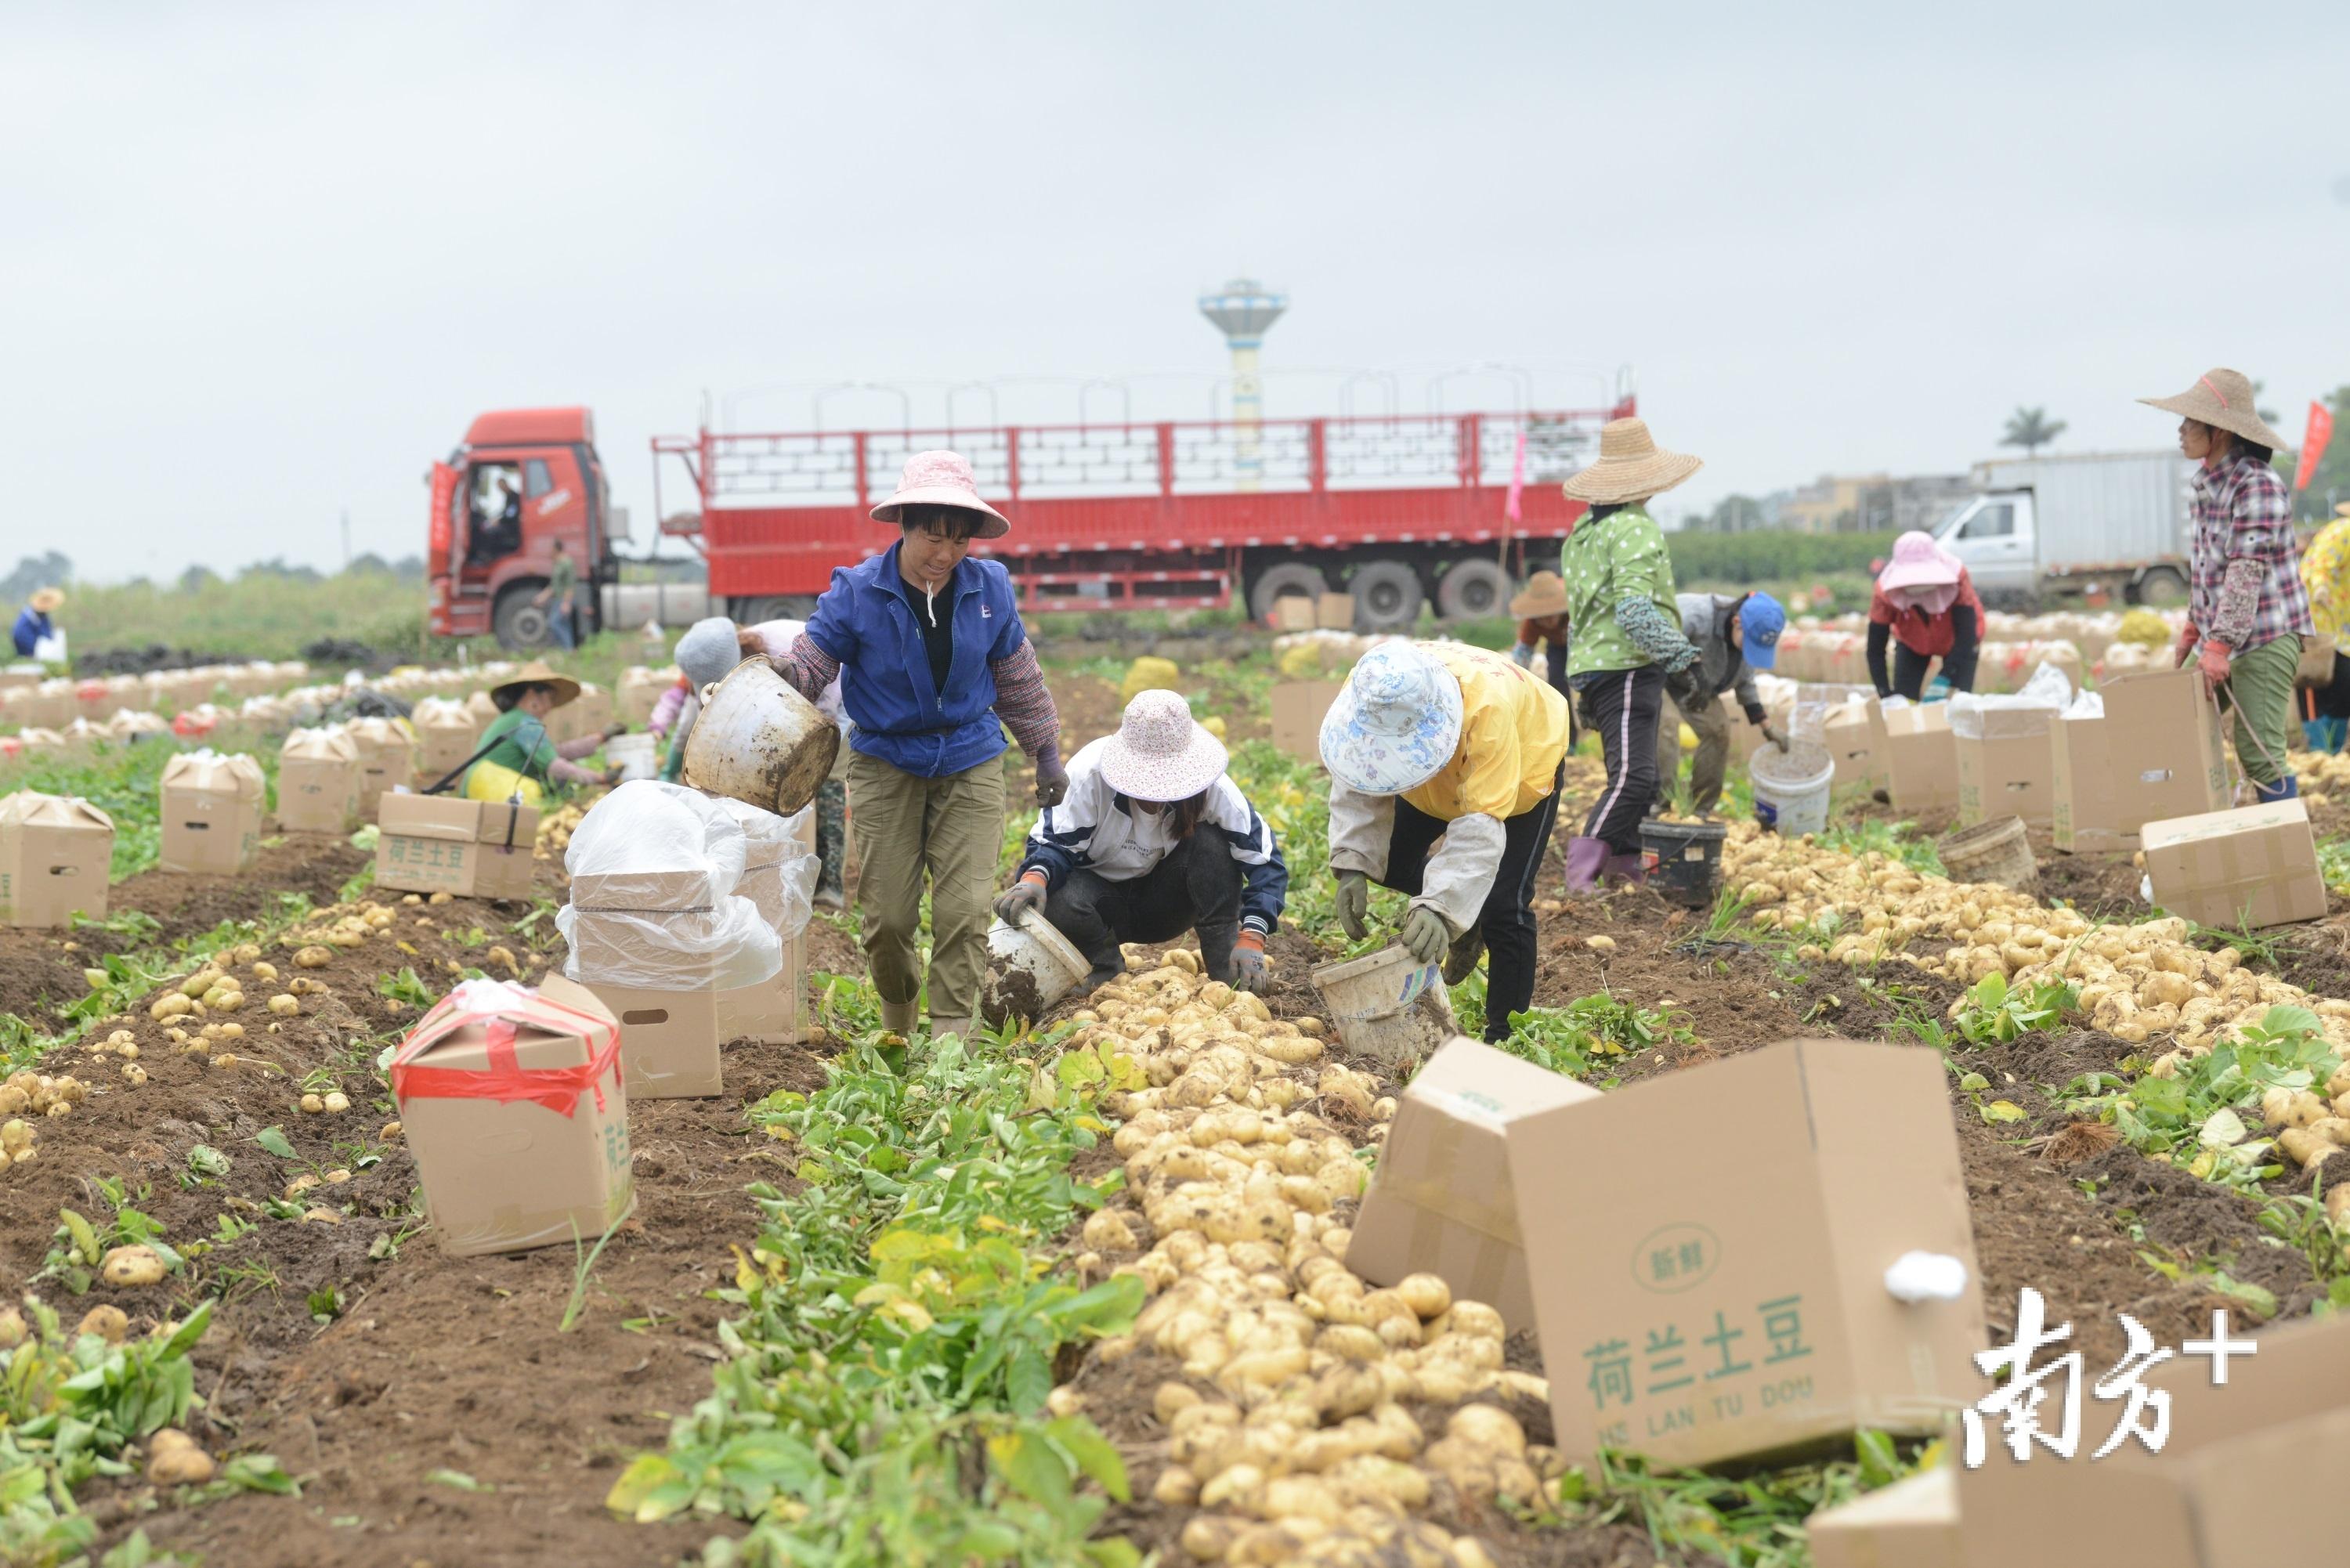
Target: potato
{"points": [[337, 1102], [1176, 1488], [1426, 1294], [12, 1332], [180, 1463], [108, 1322], [16, 1136], [314, 957]]}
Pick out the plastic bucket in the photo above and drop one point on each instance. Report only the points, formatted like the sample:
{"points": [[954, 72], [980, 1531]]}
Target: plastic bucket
{"points": [[1685, 860], [633, 755], [1029, 966], [1791, 787], [759, 742], [1389, 1006]]}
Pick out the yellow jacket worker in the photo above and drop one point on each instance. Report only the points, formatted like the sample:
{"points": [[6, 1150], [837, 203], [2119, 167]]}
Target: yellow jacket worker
{"points": [[1435, 740]]}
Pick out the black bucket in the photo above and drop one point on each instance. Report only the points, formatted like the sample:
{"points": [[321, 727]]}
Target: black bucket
{"points": [[1684, 860]]}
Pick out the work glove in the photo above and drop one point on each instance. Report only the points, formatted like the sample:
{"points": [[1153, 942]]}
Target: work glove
{"points": [[1248, 963], [1682, 684], [2188, 638], [1052, 779], [612, 730], [1354, 902], [1028, 893], [1425, 935], [1772, 733], [2215, 661], [612, 774]]}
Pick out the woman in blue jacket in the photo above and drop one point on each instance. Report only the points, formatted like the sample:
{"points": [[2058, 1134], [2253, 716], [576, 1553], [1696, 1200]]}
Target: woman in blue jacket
{"points": [[32, 623], [934, 665]]}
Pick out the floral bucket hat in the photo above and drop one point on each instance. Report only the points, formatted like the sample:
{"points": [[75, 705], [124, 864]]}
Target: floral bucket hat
{"points": [[1396, 723]]}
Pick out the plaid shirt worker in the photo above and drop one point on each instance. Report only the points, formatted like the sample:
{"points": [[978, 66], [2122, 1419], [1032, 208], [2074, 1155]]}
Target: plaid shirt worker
{"points": [[2242, 512]]}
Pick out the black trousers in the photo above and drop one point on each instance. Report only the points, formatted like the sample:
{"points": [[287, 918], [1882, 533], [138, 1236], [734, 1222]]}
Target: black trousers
{"points": [[1196, 888], [1623, 705], [1912, 670], [1507, 920]]}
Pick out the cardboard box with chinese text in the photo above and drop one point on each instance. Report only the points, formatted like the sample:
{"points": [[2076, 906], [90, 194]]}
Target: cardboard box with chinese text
{"points": [[211, 813], [669, 1040], [1729, 1302], [1298, 707], [1439, 1202], [318, 781], [56, 852], [472, 848], [2255, 865], [512, 1101], [1921, 756]]}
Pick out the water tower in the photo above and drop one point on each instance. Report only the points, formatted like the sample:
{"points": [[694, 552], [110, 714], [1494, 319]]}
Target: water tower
{"points": [[1242, 311]]}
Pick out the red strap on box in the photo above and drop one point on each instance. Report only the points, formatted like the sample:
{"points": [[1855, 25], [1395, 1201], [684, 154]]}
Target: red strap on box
{"points": [[557, 1088]]}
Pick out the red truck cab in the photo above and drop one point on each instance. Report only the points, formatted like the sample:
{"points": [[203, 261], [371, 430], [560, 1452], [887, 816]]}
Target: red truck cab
{"points": [[524, 481]]}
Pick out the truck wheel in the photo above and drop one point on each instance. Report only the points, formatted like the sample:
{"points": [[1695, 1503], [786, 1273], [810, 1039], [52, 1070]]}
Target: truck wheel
{"points": [[1471, 589], [2162, 588], [1388, 595], [518, 622], [788, 607], [1282, 581]]}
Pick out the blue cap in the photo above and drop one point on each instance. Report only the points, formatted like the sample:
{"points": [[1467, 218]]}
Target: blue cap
{"points": [[1762, 621]]}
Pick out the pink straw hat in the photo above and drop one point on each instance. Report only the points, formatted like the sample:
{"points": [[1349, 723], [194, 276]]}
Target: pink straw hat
{"points": [[1920, 562], [942, 478], [1158, 753]]}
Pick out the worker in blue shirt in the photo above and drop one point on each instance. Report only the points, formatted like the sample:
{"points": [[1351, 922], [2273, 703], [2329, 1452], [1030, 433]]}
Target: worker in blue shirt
{"points": [[32, 623]]}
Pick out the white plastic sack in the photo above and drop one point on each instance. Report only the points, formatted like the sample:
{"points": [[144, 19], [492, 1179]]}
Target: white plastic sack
{"points": [[778, 873], [2086, 705], [727, 946], [2047, 690], [657, 865]]}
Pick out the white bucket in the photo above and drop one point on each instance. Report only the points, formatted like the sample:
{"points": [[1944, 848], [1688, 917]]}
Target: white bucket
{"points": [[1791, 787], [633, 755], [1029, 966], [1388, 1006], [760, 741]]}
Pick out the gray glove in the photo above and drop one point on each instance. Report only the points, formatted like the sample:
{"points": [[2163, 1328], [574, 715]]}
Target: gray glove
{"points": [[1425, 934], [1772, 733], [1354, 902], [1248, 968], [1682, 684], [1024, 894]]}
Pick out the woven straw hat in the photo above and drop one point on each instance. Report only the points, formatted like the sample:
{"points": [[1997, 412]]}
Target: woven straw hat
{"points": [[1396, 723], [47, 599], [1160, 753], [536, 673], [1544, 596], [1631, 467], [942, 478], [2223, 399]]}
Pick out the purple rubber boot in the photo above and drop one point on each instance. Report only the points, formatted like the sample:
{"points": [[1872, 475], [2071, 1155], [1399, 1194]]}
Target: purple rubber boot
{"points": [[1586, 861], [1629, 870]]}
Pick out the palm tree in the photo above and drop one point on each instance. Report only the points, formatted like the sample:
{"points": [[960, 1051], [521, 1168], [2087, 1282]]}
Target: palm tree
{"points": [[2031, 428]]}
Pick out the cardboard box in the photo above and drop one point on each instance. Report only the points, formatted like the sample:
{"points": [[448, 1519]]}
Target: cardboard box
{"points": [[476, 849], [1335, 612], [1441, 1202], [1913, 1524], [2010, 770], [669, 1040], [2255, 865], [1293, 612], [2156, 753], [521, 1147], [1850, 734], [772, 1013], [1298, 707], [318, 781], [1921, 756], [2224, 1492], [387, 758], [55, 855], [446, 735], [1727, 1301], [211, 813]]}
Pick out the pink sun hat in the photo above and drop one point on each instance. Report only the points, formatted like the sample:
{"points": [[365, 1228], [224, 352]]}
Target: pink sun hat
{"points": [[1160, 753], [1920, 562], [942, 478]]}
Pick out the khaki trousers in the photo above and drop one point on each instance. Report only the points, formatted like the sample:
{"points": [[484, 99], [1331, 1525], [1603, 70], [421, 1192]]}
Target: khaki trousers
{"points": [[951, 827], [1707, 768]]}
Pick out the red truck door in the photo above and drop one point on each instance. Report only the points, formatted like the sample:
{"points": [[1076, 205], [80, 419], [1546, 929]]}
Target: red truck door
{"points": [[508, 508]]}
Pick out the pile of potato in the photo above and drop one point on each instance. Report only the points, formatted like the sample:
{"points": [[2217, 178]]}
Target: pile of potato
{"points": [[2322, 776], [26, 1097], [555, 827], [1288, 1427]]}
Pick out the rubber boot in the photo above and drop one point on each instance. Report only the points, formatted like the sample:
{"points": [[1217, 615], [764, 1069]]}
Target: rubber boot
{"points": [[1461, 958], [1627, 870], [943, 1027], [2285, 788], [898, 1017], [1586, 859]]}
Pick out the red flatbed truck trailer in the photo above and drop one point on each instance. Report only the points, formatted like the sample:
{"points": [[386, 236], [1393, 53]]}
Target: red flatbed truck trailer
{"points": [[1395, 509]]}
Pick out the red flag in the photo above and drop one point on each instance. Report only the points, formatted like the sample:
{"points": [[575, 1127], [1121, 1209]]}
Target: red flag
{"points": [[2312, 444], [1517, 481]]}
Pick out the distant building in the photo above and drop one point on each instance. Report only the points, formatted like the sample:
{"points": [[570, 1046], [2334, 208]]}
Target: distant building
{"points": [[1873, 502]]}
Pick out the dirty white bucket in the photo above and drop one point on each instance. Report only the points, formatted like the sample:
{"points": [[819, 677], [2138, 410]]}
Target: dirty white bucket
{"points": [[1791, 787], [1389, 1006], [1029, 966], [633, 755], [759, 742]]}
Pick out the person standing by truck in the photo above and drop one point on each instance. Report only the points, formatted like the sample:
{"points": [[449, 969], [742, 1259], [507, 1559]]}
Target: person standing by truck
{"points": [[1925, 603], [562, 584], [1734, 635], [934, 665], [1629, 649], [2246, 608]]}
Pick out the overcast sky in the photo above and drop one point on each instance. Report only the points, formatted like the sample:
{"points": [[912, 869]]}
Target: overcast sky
{"points": [[261, 264]]}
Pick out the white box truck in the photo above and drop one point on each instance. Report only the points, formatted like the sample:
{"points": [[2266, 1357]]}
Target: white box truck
{"points": [[2046, 526]]}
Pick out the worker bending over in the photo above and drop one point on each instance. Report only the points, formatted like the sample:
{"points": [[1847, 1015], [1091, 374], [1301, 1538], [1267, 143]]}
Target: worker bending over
{"points": [[1734, 635]]}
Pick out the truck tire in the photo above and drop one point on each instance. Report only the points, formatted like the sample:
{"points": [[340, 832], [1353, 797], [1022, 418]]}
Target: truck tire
{"points": [[1388, 595], [786, 607], [2163, 587], [1471, 589], [516, 622], [1283, 581]]}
